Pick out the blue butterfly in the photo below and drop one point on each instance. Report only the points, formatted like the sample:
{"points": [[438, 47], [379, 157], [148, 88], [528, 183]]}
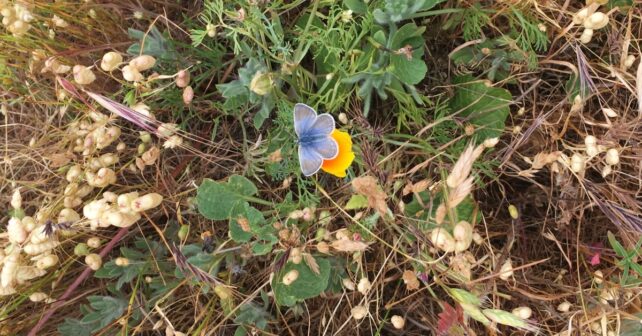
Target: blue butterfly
{"points": [[315, 142]]}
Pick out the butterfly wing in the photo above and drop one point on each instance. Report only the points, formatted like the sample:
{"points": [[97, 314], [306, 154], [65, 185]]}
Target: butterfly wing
{"points": [[327, 147], [304, 118], [309, 159], [323, 125]]}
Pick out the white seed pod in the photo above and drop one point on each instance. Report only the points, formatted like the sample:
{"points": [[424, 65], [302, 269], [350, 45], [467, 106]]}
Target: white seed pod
{"points": [[110, 61], [442, 240], [364, 286], [73, 173], [295, 255], [72, 201], [142, 62], [612, 157], [290, 277], [38, 297], [491, 142], [146, 202], [564, 307], [84, 190], [609, 112], [68, 215], [83, 75], [120, 261], [94, 261], [359, 312], [26, 273], [108, 159], [15, 230], [70, 189], [110, 196], [125, 201], [598, 276], [343, 118], [101, 179], [182, 78], [10, 268], [120, 219], [107, 136], [34, 249], [95, 209], [348, 284], [523, 312], [606, 171], [506, 271], [28, 223], [6, 291], [93, 242], [630, 59], [131, 74], [463, 235], [398, 322], [38, 235], [595, 21], [16, 199], [477, 238], [47, 261], [580, 16], [188, 95], [586, 36], [578, 163], [59, 22], [590, 141]]}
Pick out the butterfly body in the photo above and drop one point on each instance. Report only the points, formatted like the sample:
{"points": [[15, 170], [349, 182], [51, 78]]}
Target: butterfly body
{"points": [[314, 140]]}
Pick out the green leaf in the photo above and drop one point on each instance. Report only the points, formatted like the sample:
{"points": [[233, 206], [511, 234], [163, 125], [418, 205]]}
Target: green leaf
{"points": [[259, 249], [219, 201], [486, 107], [306, 286], [617, 247], [357, 202], [411, 71], [75, 327], [107, 309], [357, 6]]}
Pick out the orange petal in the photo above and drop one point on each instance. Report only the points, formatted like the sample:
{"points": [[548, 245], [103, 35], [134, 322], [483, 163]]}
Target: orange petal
{"points": [[338, 165]]}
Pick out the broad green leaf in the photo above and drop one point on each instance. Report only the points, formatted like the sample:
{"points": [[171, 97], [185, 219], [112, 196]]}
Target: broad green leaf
{"points": [[261, 248], [357, 202], [357, 6], [486, 107], [219, 200], [307, 285], [408, 71]]}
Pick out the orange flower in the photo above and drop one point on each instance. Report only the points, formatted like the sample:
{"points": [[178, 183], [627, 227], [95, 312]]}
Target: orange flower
{"points": [[338, 165]]}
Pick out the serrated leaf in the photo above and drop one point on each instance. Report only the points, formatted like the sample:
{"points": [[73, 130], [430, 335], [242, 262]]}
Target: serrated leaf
{"points": [[486, 107], [219, 201], [357, 202], [307, 285], [107, 309], [75, 327]]}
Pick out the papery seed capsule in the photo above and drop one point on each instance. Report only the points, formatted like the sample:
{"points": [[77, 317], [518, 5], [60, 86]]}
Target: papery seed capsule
{"points": [[47, 261], [630, 59], [586, 36], [26, 273], [188, 95], [398, 322], [612, 157], [9, 269], [93, 242], [131, 74], [143, 62], [364, 286], [182, 78], [38, 297], [523, 312], [146, 202], [83, 75], [16, 232], [290, 277], [442, 240], [73, 173], [110, 61], [359, 312], [348, 284], [16, 199], [506, 271], [34, 249], [94, 261], [578, 163], [564, 307], [120, 261]]}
